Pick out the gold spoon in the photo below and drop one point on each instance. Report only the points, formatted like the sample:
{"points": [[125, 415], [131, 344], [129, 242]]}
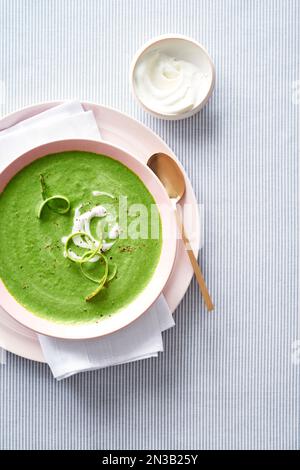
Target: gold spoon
{"points": [[171, 176]]}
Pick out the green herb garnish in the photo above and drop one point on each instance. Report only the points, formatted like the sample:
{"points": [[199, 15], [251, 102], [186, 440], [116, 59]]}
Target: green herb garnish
{"points": [[51, 202], [87, 255], [85, 258]]}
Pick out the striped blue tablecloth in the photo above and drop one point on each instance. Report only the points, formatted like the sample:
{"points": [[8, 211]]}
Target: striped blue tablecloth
{"points": [[228, 380]]}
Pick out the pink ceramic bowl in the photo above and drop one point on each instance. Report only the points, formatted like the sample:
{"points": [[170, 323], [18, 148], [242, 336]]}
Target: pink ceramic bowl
{"points": [[163, 270]]}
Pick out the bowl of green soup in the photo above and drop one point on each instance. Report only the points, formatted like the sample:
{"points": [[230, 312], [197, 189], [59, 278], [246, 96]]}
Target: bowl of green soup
{"points": [[87, 239]]}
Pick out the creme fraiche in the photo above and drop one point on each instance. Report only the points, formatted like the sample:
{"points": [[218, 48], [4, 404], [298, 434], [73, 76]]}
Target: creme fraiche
{"points": [[172, 77]]}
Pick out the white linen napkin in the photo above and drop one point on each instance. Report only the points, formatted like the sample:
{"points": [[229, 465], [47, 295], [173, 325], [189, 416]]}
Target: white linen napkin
{"points": [[142, 338]]}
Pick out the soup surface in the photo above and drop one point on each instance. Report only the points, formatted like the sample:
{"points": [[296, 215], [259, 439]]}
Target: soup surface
{"points": [[41, 261]]}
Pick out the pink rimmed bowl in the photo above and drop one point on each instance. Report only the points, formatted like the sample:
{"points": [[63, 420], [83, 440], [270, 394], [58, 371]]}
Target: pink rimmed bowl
{"points": [[147, 297]]}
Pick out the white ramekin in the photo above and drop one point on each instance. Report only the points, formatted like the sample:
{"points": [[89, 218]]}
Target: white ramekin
{"points": [[186, 49]]}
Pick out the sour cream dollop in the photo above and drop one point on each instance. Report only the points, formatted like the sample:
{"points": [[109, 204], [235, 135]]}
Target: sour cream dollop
{"points": [[168, 85], [81, 223]]}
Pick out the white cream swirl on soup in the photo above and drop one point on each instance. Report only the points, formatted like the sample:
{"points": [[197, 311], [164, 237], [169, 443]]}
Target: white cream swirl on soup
{"points": [[82, 223]]}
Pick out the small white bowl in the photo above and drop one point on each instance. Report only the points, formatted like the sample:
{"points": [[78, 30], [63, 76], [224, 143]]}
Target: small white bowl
{"points": [[184, 48]]}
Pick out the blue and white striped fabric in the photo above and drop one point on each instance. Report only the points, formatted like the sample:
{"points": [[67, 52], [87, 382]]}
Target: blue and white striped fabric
{"points": [[227, 380]]}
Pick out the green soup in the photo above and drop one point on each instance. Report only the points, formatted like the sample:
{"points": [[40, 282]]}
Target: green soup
{"points": [[33, 262]]}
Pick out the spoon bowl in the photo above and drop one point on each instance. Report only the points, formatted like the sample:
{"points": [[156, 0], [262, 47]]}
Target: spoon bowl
{"points": [[169, 173]]}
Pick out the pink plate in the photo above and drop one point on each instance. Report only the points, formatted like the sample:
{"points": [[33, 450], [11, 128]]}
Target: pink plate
{"points": [[118, 129], [162, 272]]}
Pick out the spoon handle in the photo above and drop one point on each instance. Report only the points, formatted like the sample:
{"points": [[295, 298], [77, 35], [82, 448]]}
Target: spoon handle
{"points": [[194, 263]]}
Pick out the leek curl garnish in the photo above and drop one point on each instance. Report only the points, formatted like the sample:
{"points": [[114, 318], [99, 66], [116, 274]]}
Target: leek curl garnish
{"points": [[101, 281], [59, 210], [64, 206], [110, 276], [113, 273], [88, 256]]}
